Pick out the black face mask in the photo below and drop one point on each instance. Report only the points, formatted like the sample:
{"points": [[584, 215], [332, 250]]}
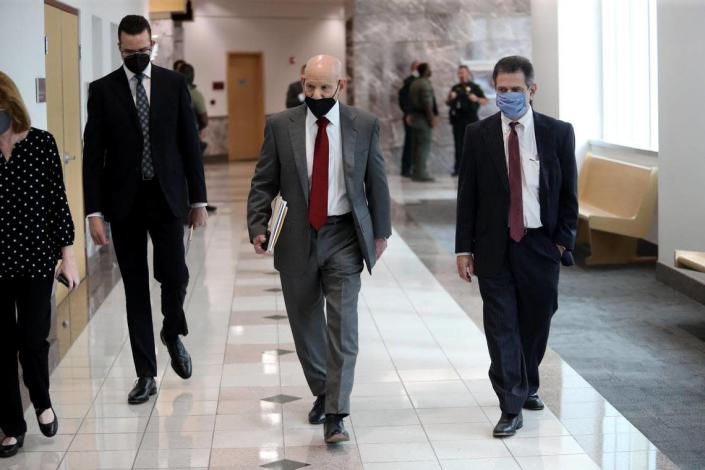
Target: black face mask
{"points": [[136, 63], [320, 107]]}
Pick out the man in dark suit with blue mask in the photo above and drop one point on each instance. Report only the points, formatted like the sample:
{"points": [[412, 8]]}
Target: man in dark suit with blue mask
{"points": [[516, 223]]}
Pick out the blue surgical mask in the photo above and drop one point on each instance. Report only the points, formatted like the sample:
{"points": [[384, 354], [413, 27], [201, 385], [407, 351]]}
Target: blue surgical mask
{"points": [[5, 121], [512, 104]]}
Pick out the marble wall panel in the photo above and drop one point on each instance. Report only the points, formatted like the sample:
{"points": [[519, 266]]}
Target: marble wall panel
{"points": [[170, 38], [216, 135], [388, 35]]}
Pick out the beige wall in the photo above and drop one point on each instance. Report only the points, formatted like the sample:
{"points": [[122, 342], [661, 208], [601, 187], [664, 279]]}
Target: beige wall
{"points": [[681, 123], [209, 38], [22, 25]]}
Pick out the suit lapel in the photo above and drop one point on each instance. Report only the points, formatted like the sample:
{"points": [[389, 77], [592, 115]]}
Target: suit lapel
{"points": [[542, 136], [297, 134], [155, 96], [125, 96], [495, 144], [348, 132]]}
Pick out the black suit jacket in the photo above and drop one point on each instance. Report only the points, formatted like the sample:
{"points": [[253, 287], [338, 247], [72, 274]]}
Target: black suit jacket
{"points": [[112, 152], [292, 94], [483, 190]]}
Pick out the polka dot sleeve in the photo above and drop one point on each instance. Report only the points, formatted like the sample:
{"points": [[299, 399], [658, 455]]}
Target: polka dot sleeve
{"points": [[60, 222]]}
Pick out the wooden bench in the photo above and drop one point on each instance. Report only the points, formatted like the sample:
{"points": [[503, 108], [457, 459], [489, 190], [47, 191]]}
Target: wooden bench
{"points": [[693, 260], [617, 203]]}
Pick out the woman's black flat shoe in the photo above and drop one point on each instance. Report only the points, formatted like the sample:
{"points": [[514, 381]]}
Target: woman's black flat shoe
{"points": [[49, 429], [9, 451]]}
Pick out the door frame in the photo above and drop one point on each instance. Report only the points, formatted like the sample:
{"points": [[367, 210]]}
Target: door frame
{"points": [[74, 11], [66, 8], [262, 114], [77, 13]]}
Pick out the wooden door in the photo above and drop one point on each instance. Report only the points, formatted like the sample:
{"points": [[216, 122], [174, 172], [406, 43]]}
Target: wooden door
{"points": [[245, 105], [64, 113]]}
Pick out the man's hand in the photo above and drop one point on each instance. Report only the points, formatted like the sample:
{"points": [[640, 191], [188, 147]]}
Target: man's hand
{"points": [[258, 243], [466, 267], [473, 97], [197, 217], [380, 246], [407, 119], [561, 248], [96, 225], [453, 95]]}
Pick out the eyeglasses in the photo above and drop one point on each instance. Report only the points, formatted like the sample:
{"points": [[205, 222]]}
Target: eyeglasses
{"points": [[129, 52]]}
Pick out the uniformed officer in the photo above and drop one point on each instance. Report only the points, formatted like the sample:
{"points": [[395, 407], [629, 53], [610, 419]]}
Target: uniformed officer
{"points": [[464, 100], [424, 117]]}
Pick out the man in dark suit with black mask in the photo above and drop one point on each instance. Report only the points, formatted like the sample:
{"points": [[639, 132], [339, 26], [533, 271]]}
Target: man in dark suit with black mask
{"points": [[516, 222], [295, 92], [143, 172]]}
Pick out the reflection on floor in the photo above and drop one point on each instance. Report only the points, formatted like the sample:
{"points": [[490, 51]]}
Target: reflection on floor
{"points": [[422, 398]]}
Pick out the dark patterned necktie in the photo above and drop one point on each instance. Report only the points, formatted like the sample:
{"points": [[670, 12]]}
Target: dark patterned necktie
{"points": [[143, 114], [318, 204], [516, 204]]}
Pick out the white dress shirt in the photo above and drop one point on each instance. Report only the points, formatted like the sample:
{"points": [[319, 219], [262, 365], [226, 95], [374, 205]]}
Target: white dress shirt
{"points": [[147, 83], [338, 202], [530, 166]]}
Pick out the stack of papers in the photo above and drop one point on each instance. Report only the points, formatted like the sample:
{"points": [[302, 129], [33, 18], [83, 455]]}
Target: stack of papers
{"points": [[279, 210]]}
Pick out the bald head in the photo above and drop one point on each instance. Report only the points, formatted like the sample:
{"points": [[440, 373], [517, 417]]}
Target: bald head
{"points": [[324, 67], [323, 76]]}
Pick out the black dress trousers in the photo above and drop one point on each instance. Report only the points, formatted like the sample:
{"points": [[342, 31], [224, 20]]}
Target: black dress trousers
{"points": [[25, 321], [151, 216], [459, 125], [518, 304]]}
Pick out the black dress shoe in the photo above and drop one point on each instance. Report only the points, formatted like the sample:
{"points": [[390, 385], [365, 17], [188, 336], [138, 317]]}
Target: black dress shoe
{"points": [[334, 430], [9, 451], [508, 425], [317, 415], [49, 429], [180, 359], [534, 403], [143, 389]]}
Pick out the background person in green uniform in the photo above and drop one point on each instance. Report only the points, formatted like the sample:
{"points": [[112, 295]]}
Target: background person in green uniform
{"points": [[424, 117], [198, 105], [464, 100]]}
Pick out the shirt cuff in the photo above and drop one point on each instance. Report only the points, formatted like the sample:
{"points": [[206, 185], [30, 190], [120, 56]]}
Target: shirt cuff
{"points": [[462, 254], [196, 205], [94, 214]]}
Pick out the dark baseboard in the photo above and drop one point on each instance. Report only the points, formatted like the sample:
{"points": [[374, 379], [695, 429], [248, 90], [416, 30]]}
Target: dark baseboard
{"points": [[681, 282]]}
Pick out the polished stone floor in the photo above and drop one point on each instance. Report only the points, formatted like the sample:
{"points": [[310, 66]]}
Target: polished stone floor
{"points": [[640, 343], [422, 399]]}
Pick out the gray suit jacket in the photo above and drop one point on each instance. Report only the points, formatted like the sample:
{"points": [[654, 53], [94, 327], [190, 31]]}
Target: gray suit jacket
{"points": [[282, 168]]}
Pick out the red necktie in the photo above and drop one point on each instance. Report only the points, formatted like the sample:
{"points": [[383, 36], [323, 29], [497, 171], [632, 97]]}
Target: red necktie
{"points": [[318, 201], [516, 204]]}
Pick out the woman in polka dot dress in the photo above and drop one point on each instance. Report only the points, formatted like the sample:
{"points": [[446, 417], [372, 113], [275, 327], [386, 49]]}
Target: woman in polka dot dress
{"points": [[36, 231]]}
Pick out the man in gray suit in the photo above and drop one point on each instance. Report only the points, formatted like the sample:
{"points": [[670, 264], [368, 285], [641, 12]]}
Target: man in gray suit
{"points": [[325, 160]]}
